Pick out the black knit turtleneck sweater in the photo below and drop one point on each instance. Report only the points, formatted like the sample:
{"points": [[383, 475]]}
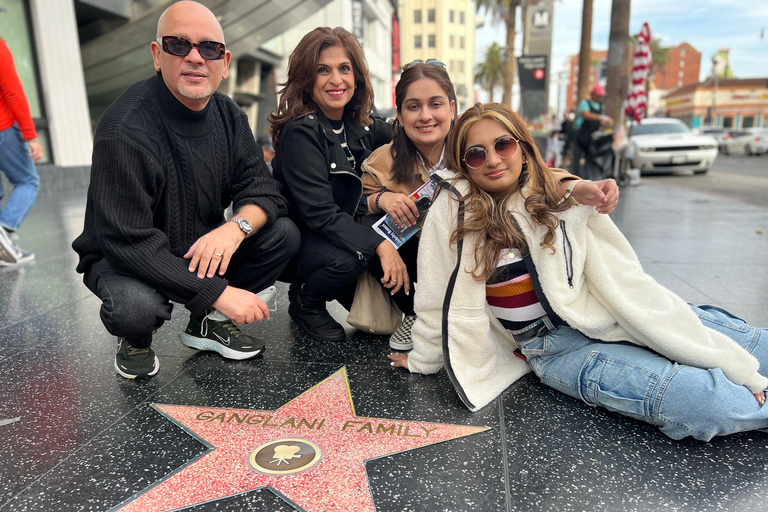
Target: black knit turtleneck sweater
{"points": [[161, 177]]}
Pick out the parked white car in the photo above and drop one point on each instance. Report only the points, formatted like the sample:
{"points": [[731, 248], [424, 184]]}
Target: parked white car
{"points": [[752, 141], [664, 145]]}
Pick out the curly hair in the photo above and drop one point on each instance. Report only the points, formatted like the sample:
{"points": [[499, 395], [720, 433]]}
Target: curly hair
{"points": [[490, 214], [403, 150], [296, 93]]}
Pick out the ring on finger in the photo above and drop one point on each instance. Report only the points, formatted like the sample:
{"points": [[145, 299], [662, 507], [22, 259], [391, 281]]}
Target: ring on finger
{"points": [[218, 254]]}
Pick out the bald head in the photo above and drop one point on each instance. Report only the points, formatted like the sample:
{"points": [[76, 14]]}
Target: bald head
{"points": [[186, 12], [191, 78]]}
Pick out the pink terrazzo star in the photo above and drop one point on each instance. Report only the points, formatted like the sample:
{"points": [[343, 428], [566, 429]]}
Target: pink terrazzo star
{"points": [[311, 450]]}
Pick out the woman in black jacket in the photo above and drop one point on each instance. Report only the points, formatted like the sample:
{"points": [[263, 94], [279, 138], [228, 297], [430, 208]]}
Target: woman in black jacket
{"points": [[322, 132]]}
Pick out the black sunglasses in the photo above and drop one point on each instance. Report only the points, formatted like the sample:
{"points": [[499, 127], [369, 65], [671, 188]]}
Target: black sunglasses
{"points": [[505, 146], [429, 62], [180, 47]]}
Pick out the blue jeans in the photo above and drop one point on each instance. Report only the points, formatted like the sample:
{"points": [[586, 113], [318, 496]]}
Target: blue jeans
{"points": [[634, 381], [20, 170]]}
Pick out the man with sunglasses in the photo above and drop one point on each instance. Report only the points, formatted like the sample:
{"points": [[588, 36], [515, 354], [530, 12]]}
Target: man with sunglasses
{"points": [[169, 156]]}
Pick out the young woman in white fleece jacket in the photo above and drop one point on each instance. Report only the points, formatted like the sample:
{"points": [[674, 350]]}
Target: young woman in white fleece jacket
{"points": [[504, 265]]}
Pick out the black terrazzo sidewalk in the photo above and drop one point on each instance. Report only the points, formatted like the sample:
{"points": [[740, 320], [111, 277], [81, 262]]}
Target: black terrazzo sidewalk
{"points": [[78, 437]]}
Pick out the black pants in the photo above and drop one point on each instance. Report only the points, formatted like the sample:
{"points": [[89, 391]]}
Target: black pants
{"points": [[408, 252], [327, 271], [133, 309]]}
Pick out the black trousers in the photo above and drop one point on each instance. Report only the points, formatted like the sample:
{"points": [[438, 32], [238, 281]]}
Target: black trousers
{"points": [[133, 309], [327, 271]]}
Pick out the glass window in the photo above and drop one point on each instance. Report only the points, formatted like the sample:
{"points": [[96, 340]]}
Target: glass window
{"points": [[417, 41], [461, 42], [430, 16], [451, 40], [461, 66], [431, 41], [450, 16], [417, 16], [748, 122], [727, 122], [461, 17], [682, 52]]}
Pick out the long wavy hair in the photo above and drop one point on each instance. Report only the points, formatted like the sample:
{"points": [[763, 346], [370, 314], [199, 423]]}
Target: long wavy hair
{"points": [[404, 153], [296, 93], [488, 214]]}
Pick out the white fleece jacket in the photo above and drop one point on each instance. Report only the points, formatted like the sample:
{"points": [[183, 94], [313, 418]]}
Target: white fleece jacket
{"points": [[611, 299]]}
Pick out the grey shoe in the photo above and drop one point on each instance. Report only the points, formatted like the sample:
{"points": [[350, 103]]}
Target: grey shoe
{"points": [[135, 363], [401, 338]]}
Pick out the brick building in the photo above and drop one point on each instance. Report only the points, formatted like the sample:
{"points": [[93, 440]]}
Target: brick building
{"points": [[683, 68], [596, 75]]}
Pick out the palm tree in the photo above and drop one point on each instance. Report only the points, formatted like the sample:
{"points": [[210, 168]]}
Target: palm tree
{"points": [[659, 57], [616, 71], [585, 52], [491, 71], [505, 10]]}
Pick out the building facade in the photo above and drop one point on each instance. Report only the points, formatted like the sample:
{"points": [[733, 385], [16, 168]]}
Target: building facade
{"points": [[76, 57], [442, 30], [731, 103], [598, 60], [682, 70]]}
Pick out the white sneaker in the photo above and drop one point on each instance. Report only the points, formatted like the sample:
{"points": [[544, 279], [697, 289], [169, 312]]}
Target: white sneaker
{"points": [[401, 338], [18, 254], [8, 252]]}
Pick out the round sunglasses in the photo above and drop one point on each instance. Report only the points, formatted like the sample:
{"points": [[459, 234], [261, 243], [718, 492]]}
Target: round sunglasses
{"points": [[180, 47], [505, 146]]}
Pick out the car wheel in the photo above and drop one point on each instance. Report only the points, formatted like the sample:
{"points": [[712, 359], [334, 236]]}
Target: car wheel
{"points": [[725, 150], [748, 150]]}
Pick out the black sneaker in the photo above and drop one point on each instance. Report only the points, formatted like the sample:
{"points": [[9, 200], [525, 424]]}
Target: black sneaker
{"points": [[135, 363], [223, 337]]}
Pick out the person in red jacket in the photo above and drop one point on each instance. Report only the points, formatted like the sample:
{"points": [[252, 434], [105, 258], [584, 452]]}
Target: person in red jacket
{"points": [[19, 149]]}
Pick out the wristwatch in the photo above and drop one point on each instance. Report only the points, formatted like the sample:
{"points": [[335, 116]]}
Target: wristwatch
{"points": [[244, 225]]}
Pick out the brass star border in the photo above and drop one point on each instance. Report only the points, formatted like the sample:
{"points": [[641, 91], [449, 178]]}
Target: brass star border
{"points": [[311, 451]]}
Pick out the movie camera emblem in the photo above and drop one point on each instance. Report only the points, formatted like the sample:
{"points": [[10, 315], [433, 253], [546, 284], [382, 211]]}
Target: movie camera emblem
{"points": [[285, 456]]}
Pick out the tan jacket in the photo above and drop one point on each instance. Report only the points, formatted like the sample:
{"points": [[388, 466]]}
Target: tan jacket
{"points": [[377, 174]]}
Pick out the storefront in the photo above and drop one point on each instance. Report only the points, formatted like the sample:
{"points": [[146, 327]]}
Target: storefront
{"points": [[731, 103]]}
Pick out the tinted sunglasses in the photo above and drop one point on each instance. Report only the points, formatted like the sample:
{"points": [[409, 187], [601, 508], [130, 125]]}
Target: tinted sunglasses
{"points": [[180, 47], [505, 146], [429, 62]]}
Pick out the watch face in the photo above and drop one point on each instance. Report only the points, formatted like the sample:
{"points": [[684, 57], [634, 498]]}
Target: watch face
{"points": [[245, 226]]}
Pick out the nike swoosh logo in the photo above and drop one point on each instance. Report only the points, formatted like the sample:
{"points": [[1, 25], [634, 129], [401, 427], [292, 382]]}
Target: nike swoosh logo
{"points": [[224, 341]]}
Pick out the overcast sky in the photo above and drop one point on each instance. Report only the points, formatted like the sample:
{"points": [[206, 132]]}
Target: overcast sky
{"points": [[706, 25]]}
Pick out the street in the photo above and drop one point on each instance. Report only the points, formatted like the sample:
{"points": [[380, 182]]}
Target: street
{"points": [[740, 177]]}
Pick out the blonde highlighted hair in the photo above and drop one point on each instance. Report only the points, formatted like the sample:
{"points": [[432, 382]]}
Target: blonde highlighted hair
{"points": [[488, 214]]}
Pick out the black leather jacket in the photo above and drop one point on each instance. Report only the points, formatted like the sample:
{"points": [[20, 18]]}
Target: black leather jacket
{"points": [[324, 192]]}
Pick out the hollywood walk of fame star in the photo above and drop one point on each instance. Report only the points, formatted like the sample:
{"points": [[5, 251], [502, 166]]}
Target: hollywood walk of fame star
{"points": [[312, 451]]}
